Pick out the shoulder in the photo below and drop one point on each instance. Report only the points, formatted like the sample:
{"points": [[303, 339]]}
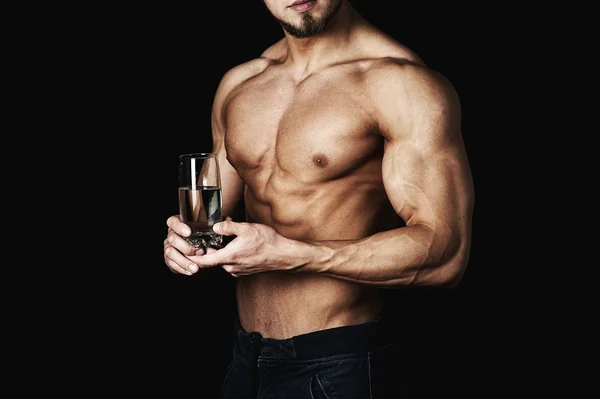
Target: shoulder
{"points": [[390, 67], [241, 73], [409, 89], [409, 80], [409, 97]]}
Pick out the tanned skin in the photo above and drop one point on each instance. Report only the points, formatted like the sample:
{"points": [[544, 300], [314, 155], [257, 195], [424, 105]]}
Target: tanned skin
{"points": [[348, 153]]}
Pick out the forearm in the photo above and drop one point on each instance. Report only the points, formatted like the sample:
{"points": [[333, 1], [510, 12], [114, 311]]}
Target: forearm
{"points": [[412, 255]]}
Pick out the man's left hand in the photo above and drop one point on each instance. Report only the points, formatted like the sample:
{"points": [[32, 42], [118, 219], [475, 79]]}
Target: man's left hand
{"points": [[257, 248]]}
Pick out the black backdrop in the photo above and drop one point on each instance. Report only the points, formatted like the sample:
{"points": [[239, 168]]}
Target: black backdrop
{"points": [[169, 335]]}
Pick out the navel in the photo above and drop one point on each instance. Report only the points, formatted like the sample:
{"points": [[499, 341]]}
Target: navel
{"points": [[320, 160]]}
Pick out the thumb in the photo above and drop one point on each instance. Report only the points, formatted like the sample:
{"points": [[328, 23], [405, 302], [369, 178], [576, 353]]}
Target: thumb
{"points": [[227, 228]]}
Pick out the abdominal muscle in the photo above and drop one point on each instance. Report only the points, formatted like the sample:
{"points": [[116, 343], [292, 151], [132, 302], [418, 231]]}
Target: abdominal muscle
{"points": [[280, 304]]}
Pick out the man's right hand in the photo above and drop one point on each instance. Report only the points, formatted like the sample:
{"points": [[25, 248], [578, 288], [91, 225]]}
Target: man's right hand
{"points": [[177, 249]]}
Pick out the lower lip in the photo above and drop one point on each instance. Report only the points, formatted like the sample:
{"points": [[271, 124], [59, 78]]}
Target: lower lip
{"points": [[303, 7]]}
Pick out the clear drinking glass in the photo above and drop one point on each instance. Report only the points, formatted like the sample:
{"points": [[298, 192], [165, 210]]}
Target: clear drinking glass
{"points": [[200, 204]]}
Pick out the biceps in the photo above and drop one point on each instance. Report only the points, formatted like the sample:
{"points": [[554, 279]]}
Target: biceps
{"points": [[429, 186], [231, 184]]}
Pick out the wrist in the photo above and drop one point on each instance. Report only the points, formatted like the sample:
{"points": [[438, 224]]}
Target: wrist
{"points": [[309, 257]]}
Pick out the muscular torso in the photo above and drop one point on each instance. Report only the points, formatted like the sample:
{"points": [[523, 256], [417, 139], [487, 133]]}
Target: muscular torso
{"points": [[310, 155]]}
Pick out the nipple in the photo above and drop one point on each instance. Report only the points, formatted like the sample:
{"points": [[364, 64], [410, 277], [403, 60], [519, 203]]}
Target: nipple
{"points": [[320, 160]]}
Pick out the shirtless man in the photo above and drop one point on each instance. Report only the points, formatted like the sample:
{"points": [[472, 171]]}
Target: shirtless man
{"points": [[348, 154]]}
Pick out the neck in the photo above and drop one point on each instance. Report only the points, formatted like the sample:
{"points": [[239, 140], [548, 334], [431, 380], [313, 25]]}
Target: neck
{"points": [[306, 55]]}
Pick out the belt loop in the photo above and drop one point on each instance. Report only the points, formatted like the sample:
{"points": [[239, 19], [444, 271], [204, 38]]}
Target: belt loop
{"points": [[293, 348]]}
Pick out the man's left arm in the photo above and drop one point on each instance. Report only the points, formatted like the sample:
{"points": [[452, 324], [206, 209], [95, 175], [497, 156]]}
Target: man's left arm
{"points": [[428, 181], [427, 178]]}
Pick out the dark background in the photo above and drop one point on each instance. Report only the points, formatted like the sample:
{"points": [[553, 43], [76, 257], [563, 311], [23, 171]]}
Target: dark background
{"points": [[170, 335]]}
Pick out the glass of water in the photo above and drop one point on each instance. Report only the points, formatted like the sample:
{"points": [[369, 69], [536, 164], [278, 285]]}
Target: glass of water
{"points": [[200, 197]]}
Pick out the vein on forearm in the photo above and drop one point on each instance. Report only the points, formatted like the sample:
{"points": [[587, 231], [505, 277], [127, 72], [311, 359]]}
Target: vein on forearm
{"points": [[411, 255]]}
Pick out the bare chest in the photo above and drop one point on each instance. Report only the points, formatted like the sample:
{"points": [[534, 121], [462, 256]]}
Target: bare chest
{"points": [[316, 131]]}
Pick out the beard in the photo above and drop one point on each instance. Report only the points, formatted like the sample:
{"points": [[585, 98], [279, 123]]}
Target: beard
{"points": [[311, 25]]}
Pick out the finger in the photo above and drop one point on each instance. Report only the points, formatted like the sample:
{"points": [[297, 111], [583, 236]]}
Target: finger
{"points": [[228, 218], [175, 240], [178, 226], [176, 259], [203, 251], [213, 258], [175, 268], [231, 269], [228, 228]]}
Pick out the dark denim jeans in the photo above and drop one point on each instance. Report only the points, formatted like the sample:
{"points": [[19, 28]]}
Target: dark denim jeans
{"points": [[362, 361]]}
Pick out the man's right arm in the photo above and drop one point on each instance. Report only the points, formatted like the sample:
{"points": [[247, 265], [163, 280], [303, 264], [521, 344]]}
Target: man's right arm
{"points": [[232, 186], [231, 183], [176, 249]]}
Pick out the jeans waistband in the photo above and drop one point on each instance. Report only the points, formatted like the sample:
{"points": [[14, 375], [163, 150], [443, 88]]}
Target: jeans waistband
{"points": [[356, 338]]}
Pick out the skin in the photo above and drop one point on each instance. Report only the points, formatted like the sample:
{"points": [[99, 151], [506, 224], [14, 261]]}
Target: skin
{"points": [[347, 151]]}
